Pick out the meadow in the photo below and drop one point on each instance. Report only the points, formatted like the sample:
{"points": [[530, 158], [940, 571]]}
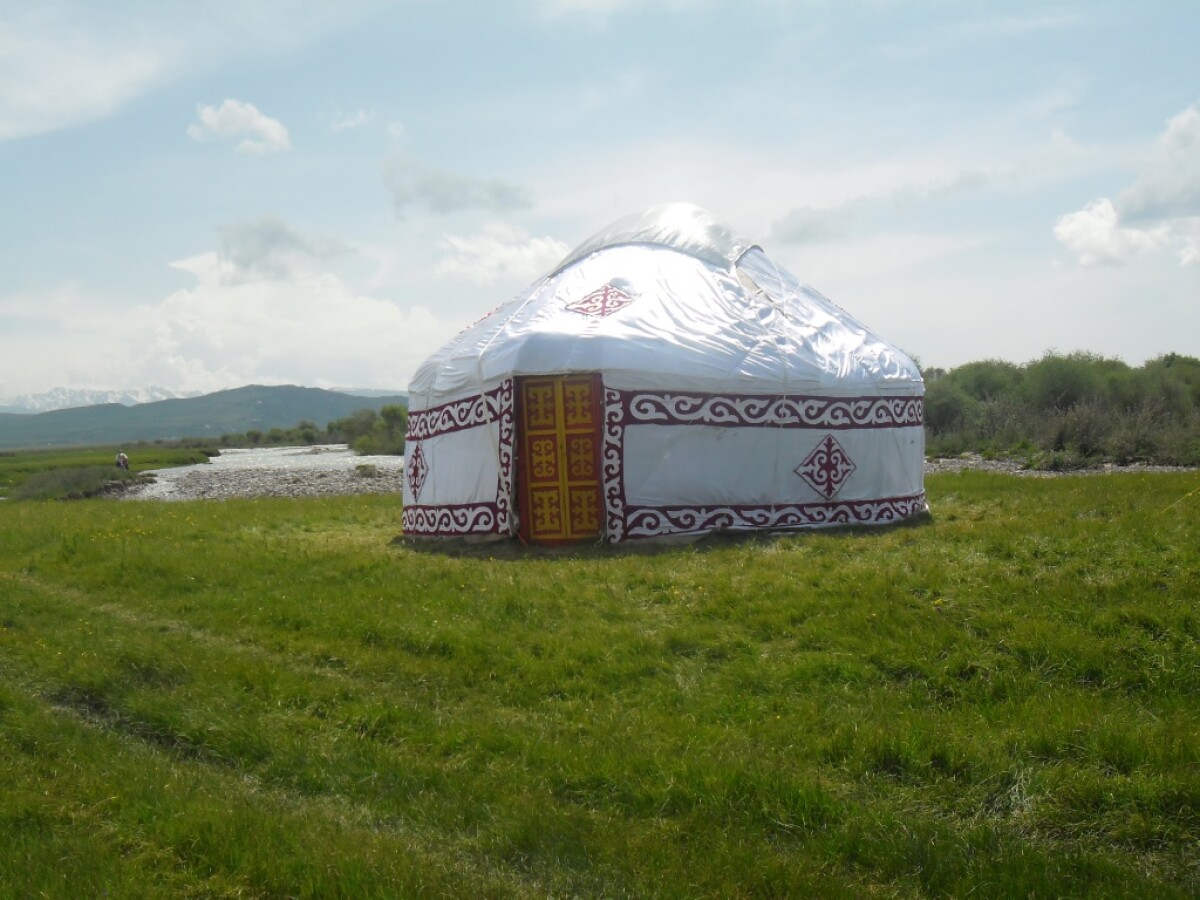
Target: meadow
{"points": [[82, 471], [272, 697]]}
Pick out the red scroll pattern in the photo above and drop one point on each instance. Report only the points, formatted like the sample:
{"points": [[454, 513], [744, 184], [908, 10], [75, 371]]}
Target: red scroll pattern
{"points": [[757, 410], [478, 409], [647, 521], [452, 520], [612, 461], [456, 520]]}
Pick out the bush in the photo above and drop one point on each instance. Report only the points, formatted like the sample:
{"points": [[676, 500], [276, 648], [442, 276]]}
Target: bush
{"points": [[69, 484], [374, 434], [989, 379], [1060, 382], [1066, 411], [1059, 461], [947, 406], [1082, 428]]}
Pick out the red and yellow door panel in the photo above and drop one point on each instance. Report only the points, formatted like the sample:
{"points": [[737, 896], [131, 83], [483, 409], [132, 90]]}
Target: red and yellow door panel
{"points": [[558, 460]]}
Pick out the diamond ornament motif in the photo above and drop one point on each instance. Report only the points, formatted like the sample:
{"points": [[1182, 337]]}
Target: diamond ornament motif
{"points": [[603, 301], [827, 467], [417, 470]]}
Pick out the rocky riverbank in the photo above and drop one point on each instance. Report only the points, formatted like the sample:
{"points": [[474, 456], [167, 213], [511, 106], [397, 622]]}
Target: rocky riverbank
{"points": [[976, 462], [275, 472]]}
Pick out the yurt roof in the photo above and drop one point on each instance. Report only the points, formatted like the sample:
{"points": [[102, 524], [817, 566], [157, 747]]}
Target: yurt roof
{"points": [[674, 299]]}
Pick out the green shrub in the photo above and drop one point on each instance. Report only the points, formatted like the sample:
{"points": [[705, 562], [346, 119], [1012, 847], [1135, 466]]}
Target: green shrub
{"points": [[373, 434], [1060, 382], [989, 379], [1064, 411], [947, 406], [69, 484]]}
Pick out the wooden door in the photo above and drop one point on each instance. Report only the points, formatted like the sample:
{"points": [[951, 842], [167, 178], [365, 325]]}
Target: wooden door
{"points": [[558, 464]]}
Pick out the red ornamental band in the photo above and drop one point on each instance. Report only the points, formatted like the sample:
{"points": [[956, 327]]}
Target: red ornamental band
{"points": [[758, 410], [643, 522], [452, 520], [457, 415]]}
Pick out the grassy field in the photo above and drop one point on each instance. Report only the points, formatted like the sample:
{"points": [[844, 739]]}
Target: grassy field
{"points": [[47, 474], [270, 698]]}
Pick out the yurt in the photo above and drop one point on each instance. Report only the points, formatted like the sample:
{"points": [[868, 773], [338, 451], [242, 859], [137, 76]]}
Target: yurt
{"points": [[665, 379]]}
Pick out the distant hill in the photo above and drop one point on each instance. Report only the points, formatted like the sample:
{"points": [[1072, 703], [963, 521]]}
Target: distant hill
{"points": [[211, 415]]}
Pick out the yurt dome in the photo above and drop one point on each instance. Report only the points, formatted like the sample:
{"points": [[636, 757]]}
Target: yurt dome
{"points": [[666, 378]]}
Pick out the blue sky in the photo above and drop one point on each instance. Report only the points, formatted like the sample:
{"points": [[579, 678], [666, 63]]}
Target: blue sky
{"points": [[205, 195]]}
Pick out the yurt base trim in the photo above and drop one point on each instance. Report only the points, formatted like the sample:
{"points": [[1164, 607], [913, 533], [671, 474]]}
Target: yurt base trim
{"points": [[458, 520], [480, 520], [650, 522]]}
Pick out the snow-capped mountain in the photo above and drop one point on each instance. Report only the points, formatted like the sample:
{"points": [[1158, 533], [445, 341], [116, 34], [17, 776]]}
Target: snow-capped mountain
{"points": [[69, 398]]}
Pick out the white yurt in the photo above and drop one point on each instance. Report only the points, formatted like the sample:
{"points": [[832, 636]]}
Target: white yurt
{"points": [[665, 379]]}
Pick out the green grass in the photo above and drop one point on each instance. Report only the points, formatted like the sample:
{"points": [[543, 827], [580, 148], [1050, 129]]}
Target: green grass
{"points": [[269, 698], [62, 473]]}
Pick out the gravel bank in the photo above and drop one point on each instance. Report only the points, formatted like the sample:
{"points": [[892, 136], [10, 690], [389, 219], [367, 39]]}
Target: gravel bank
{"points": [[976, 463], [275, 472]]}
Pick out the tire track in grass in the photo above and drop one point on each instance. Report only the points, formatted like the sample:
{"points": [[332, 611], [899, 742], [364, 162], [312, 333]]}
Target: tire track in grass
{"points": [[248, 791], [81, 599], [98, 707], [98, 716]]}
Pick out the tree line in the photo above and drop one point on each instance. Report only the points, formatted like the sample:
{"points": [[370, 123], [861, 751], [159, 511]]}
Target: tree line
{"points": [[366, 431], [1068, 411]]}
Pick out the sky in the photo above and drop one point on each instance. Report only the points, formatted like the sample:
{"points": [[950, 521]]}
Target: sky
{"points": [[200, 196]]}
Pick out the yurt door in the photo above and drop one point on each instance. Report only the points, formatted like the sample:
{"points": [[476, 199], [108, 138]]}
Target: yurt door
{"points": [[558, 462]]}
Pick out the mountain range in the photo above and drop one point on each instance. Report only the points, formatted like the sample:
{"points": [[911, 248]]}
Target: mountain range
{"points": [[69, 398], [206, 416]]}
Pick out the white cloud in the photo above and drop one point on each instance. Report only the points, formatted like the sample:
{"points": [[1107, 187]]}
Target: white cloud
{"points": [[67, 62], [977, 30], [499, 252], [233, 119], [265, 306], [812, 225], [1187, 234], [1160, 209], [268, 248], [602, 10], [312, 329], [1169, 185], [50, 80], [1097, 238], [886, 256], [440, 192], [824, 196], [344, 121], [554, 9]]}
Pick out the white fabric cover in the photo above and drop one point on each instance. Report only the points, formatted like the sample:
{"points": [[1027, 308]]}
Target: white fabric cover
{"points": [[704, 313]]}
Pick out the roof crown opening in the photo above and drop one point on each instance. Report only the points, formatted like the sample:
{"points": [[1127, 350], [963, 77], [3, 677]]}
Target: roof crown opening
{"points": [[684, 227]]}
